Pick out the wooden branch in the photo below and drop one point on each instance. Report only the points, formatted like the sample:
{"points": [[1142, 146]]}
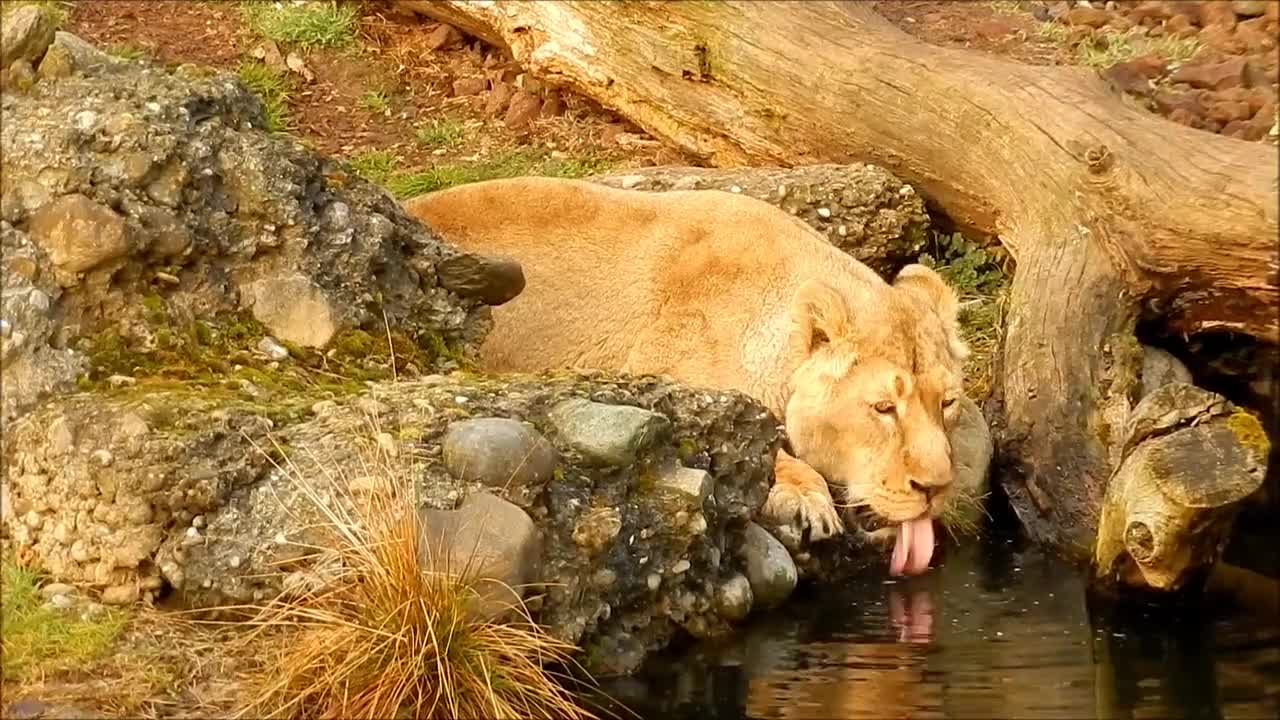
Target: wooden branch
{"points": [[1189, 457], [1111, 213]]}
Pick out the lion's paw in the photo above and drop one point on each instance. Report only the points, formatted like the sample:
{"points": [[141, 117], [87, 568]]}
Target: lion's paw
{"points": [[809, 509]]}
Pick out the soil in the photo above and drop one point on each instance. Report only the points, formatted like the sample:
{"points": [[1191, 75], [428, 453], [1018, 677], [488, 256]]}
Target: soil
{"points": [[335, 113], [1228, 86]]}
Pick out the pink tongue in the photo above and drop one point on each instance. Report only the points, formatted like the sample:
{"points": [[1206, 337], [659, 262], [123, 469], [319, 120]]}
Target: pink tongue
{"points": [[914, 546]]}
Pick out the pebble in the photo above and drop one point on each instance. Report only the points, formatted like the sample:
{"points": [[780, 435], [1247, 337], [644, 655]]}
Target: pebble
{"points": [[499, 452], [680, 567], [824, 213], [734, 598], [607, 434], [653, 581], [272, 348], [770, 569], [6, 329], [118, 381], [62, 602], [103, 457]]}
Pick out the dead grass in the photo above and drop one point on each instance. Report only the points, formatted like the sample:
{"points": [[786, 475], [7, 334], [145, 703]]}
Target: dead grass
{"points": [[1111, 48], [384, 636], [57, 9]]}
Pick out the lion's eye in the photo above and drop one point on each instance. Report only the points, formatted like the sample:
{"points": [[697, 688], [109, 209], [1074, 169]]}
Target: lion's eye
{"points": [[948, 403], [884, 407]]}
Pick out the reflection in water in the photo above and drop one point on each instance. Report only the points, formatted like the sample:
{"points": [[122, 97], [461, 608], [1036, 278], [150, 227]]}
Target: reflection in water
{"points": [[993, 632]]}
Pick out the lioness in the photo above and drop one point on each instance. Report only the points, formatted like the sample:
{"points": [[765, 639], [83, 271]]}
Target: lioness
{"points": [[724, 291]]}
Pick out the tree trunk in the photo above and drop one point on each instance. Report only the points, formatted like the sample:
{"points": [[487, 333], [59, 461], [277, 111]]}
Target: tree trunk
{"points": [[1110, 213]]}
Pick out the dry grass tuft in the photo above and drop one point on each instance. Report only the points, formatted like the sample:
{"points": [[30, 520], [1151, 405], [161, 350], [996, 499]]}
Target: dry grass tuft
{"points": [[385, 637]]}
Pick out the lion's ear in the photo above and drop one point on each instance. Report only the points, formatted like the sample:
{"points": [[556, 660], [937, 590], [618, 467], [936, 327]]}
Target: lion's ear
{"points": [[928, 284], [818, 314]]}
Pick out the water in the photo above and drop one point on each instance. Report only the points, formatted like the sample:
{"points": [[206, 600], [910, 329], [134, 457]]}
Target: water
{"points": [[997, 631]]}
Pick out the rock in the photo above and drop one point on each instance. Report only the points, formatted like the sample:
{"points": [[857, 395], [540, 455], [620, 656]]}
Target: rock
{"points": [[500, 452], [444, 37], [1159, 368], [492, 280], [608, 434], [78, 233], [188, 186], [693, 484], [499, 98], [1226, 112], [552, 107], [1248, 8], [273, 349], [493, 540], [1217, 14], [124, 594], [1129, 77], [525, 107], [734, 598], [25, 34], [1086, 16], [295, 309], [871, 215], [770, 569], [52, 589], [232, 528], [80, 55], [62, 602], [463, 87], [1215, 76]]}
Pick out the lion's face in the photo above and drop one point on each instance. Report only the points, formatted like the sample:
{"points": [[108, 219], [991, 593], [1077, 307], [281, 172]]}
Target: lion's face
{"points": [[874, 384]]}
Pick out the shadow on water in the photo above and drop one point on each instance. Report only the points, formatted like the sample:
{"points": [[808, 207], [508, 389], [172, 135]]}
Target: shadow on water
{"points": [[996, 631]]}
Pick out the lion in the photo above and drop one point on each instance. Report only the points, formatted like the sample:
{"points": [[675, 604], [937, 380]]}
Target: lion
{"points": [[723, 291]]}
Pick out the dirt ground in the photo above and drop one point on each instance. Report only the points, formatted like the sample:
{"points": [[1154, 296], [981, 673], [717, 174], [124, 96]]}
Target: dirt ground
{"points": [[410, 96]]}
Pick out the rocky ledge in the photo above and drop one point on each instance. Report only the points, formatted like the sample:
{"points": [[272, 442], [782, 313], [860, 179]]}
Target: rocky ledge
{"points": [[630, 499]]}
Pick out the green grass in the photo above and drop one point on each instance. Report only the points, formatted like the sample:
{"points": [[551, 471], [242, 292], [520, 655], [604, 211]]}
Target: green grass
{"points": [[444, 132], [321, 23], [375, 165], [272, 88], [57, 9], [511, 164], [375, 100], [40, 639]]}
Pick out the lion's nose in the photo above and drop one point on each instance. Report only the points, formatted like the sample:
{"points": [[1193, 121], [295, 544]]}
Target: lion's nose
{"points": [[926, 490]]}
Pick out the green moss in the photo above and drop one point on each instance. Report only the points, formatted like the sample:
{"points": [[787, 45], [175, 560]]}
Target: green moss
{"points": [[1245, 426], [686, 448]]}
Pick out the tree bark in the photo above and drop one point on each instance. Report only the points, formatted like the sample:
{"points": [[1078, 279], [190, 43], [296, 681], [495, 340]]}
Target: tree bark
{"points": [[1110, 213]]}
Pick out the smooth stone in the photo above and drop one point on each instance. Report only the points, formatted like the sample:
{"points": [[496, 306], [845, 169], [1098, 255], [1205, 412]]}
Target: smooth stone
{"points": [[607, 434]]}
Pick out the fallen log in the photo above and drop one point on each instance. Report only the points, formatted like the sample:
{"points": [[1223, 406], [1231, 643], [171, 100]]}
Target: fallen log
{"points": [[1110, 213]]}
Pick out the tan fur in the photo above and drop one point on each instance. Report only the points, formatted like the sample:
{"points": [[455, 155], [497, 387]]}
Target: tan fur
{"points": [[724, 291]]}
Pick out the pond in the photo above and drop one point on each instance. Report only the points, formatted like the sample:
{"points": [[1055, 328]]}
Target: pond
{"points": [[997, 630]]}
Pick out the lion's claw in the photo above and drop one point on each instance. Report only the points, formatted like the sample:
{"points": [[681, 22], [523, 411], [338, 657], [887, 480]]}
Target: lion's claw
{"points": [[809, 509]]}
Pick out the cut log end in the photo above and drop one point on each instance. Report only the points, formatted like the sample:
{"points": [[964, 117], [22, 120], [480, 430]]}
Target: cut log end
{"points": [[1170, 506]]}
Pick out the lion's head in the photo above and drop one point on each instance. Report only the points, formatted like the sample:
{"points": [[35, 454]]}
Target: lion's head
{"points": [[877, 372]]}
